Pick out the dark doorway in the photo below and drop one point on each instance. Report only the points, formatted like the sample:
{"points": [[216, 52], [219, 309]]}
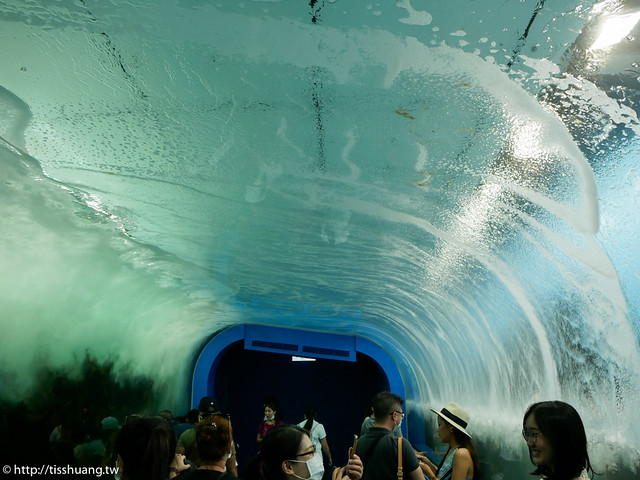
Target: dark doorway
{"points": [[340, 391]]}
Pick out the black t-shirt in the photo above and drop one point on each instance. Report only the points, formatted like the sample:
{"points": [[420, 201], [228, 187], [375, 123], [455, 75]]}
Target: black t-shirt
{"points": [[381, 461], [204, 474]]}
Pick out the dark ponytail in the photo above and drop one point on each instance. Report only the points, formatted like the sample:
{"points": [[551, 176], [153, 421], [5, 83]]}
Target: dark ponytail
{"points": [[310, 415]]}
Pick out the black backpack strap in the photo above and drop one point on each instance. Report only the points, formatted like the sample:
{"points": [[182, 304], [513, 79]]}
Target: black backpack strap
{"points": [[367, 454]]}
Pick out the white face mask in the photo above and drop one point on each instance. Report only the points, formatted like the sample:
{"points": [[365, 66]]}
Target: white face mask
{"points": [[315, 466], [401, 418]]}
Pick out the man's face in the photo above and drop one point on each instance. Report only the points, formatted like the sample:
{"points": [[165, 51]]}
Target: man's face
{"points": [[397, 415]]}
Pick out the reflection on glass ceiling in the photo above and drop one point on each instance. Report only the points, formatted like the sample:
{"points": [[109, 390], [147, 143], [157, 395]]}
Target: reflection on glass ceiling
{"points": [[462, 174]]}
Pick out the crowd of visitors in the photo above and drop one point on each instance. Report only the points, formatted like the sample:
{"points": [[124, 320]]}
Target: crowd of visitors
{"points": [[200, 446]]}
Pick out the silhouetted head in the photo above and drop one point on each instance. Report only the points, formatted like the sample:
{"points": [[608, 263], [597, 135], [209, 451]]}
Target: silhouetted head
{"points": [[192, 416], [310, 412], [556, 439], [213, 438], [145, 447], [167, 415], [208, 406], [369, 411], [310, 415]]}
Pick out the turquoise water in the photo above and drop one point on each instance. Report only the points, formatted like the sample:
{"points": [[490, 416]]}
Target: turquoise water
{"points": [[471, 191]]}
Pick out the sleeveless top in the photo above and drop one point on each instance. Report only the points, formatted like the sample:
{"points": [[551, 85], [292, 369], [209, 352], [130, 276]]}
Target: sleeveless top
{"points": [[446, 467], [445, 470]]}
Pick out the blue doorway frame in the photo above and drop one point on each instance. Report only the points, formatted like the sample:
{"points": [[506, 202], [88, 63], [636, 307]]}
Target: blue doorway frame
{"points": [[292, 341]]}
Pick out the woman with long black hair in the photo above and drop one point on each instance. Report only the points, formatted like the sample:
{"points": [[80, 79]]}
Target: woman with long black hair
{"points": [[145, 449], [557, 441], [461, 461], [317, 433]]}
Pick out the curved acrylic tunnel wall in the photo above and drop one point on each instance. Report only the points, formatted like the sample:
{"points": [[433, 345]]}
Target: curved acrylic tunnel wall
{"points": [[462, 175]]}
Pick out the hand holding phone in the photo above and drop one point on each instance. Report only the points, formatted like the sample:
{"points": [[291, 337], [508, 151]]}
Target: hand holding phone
{"points": [[353, 448], [354, 468]]}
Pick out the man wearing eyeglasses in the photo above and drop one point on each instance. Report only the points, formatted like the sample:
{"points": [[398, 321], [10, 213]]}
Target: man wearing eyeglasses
{"points": [[378, 448]]}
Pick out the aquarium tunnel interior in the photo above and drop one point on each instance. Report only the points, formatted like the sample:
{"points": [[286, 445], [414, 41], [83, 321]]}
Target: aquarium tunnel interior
{"points": [[322, 199]]}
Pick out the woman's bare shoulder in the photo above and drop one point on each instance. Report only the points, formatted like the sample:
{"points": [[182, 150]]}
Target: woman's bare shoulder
{"points": [[462, 453]]}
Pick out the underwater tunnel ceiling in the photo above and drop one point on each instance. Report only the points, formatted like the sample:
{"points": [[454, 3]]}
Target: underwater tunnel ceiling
{"points": [[460, 179]]}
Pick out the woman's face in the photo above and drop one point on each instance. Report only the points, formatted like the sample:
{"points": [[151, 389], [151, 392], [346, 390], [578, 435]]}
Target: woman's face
{"points": [[539, 447], [305, 453], [269, 413], [444, 430]]}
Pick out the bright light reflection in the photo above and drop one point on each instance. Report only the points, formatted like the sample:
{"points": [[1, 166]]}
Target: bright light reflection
{"points": [[302, 359], [526, 141], [615, 29]]}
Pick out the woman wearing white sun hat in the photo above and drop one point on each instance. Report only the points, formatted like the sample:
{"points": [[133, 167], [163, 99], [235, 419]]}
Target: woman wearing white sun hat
{"points": [[461, 461]]}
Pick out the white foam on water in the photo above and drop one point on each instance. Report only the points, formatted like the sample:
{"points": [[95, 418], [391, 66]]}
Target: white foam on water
{"points": [[460, 296]]}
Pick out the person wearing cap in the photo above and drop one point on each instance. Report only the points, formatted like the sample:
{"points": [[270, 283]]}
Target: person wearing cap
{"points": [[378, 448], [461, 461], [187, 445]]}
